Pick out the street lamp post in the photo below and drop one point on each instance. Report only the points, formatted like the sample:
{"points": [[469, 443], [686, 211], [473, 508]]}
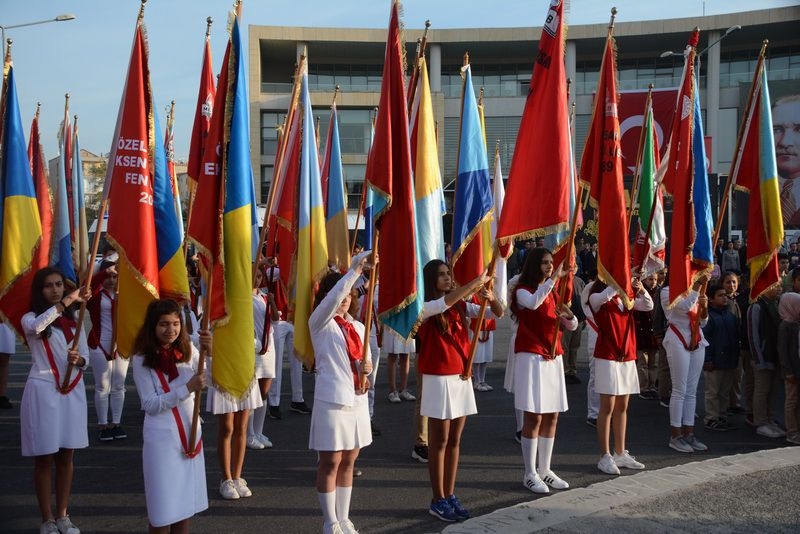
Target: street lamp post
{"points": [[61, 18], [729, 31]]}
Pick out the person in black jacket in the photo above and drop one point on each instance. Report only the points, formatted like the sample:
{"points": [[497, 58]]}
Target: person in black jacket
{"points": [[722, 358]]}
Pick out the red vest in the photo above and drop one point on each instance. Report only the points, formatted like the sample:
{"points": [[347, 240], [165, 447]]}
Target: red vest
{"points": [[443, 353], [616, 333], [488, 325], [537, 328]]}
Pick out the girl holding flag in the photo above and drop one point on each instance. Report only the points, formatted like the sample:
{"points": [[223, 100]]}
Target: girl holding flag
{"points": [[539, 386], [340, 424], [53, 420], [447, 398], [166, 380]]}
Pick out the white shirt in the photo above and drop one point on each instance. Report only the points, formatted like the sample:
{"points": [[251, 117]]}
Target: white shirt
{"points": [[33, 325], [532, 301], [678, 314], [643, 301], [334, 373]]}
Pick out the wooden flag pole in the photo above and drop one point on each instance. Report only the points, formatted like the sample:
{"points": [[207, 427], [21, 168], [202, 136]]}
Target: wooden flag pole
{"points": [[473, 346], [278, 164], [412, 84], [637, 171], [373, 278], [201, 362]]}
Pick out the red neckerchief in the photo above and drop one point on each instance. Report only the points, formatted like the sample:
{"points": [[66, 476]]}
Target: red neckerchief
{"points": [[355, 346], [179, 422], [66, 325], [168, 362]]}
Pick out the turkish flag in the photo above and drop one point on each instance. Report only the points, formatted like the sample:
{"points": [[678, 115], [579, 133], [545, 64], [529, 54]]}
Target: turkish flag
{"points": [[631, 118]]}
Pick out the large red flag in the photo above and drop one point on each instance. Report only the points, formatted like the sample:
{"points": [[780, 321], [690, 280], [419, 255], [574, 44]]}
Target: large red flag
{"points": [[390, 177], [537, 196], [202, 116], [601, 169]]}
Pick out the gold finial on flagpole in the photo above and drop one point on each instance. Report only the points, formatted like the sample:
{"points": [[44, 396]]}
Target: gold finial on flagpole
{"points": [[141, 11], [38, 109], [209, 22], [613, 16], [466, 59]]}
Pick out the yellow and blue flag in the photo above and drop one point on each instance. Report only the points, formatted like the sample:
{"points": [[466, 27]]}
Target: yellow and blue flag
{"points": [[19, 213], [335, 198], [427, 177], [755, 171], [312, 251], [473, 199], [61, 254]]}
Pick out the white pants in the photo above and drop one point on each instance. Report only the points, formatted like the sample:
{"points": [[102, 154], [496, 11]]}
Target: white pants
{"points": [[284, 343], [685, 368], [592, 397], [109, 383], [373, 376]]}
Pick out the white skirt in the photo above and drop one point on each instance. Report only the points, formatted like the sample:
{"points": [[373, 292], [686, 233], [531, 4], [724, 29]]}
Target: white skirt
{"points": [[485, 350], [8, 340], [539, 384], [265, 364], [335, 427], [447, 397], [615, 378], [51, 421], [219, 403], [394, 344]]}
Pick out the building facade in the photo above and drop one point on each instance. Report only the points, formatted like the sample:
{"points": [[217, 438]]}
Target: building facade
{"points": [[502, 62]]}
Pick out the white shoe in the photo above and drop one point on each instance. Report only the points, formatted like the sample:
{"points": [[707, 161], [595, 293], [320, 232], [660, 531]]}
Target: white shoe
{"points": [[607, 465], [780, 431], [347, 527], [335, 528], [695, 443], [48, 527], [265, 441], [627, 461], [680, 444], [768, 431], [535, 484], [407, 396], [254, 443], [227, 489], [486, 387], [241, 488], [65, 526], [394, 397], [552, 480]]}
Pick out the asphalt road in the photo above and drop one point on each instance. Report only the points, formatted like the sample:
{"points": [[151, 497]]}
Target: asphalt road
{"points": [[391, 496]]}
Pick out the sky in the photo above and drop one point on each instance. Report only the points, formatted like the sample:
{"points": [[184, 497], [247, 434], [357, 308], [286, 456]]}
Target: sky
{"points": [[88, 57]]}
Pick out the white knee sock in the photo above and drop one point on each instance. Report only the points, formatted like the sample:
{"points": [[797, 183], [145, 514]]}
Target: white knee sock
{"points": [[545, 453], [529, 454], [327, 501], [343, 494], [256, 424]]}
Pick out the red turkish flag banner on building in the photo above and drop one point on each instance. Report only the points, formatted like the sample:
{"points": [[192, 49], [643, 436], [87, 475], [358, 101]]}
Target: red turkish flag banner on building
{"points": [[631, 119]]}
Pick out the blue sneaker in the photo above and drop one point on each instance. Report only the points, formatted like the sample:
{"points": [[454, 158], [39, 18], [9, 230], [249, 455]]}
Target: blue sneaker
{"points": [[443, 511], [460, 511]]}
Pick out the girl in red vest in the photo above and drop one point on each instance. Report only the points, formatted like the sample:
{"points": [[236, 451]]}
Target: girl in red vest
{"points": [[108, 367], [616, 376], [52, 420], [443, 344], [539, 387], [485, 351]]}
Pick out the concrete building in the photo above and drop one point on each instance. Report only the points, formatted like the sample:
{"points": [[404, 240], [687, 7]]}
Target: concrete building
{"points": [[502, 61]]}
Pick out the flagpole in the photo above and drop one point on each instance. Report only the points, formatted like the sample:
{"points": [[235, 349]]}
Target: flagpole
{"points": [[81, 242], [373, 278], [739, 147], [636, 170], [279, 163], [458, 151], [201, 362], [473, 346], [412, 84], [363, 202]]}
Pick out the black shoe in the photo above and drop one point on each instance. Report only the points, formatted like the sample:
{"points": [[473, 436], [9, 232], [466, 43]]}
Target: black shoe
{"points": [[118, 432], [664, 402], [591, 422], [420, 453], [736, 410], [275, 412], [106, 434], [5, 403], [648, 394], [375, 430], [572, 379], [518, 436], [299, 407]]}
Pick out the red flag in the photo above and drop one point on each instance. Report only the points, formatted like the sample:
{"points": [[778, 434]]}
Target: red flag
{"points": [[389, 174], [202, 116], [43, 198], [538, 191], [601, 169]]}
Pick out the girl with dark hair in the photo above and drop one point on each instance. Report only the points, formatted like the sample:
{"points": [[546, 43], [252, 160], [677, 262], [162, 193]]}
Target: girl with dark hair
{"points": [[615, 370], [53, 420], [164, 370], [446, 397], [340, 425], [539, 386]]}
